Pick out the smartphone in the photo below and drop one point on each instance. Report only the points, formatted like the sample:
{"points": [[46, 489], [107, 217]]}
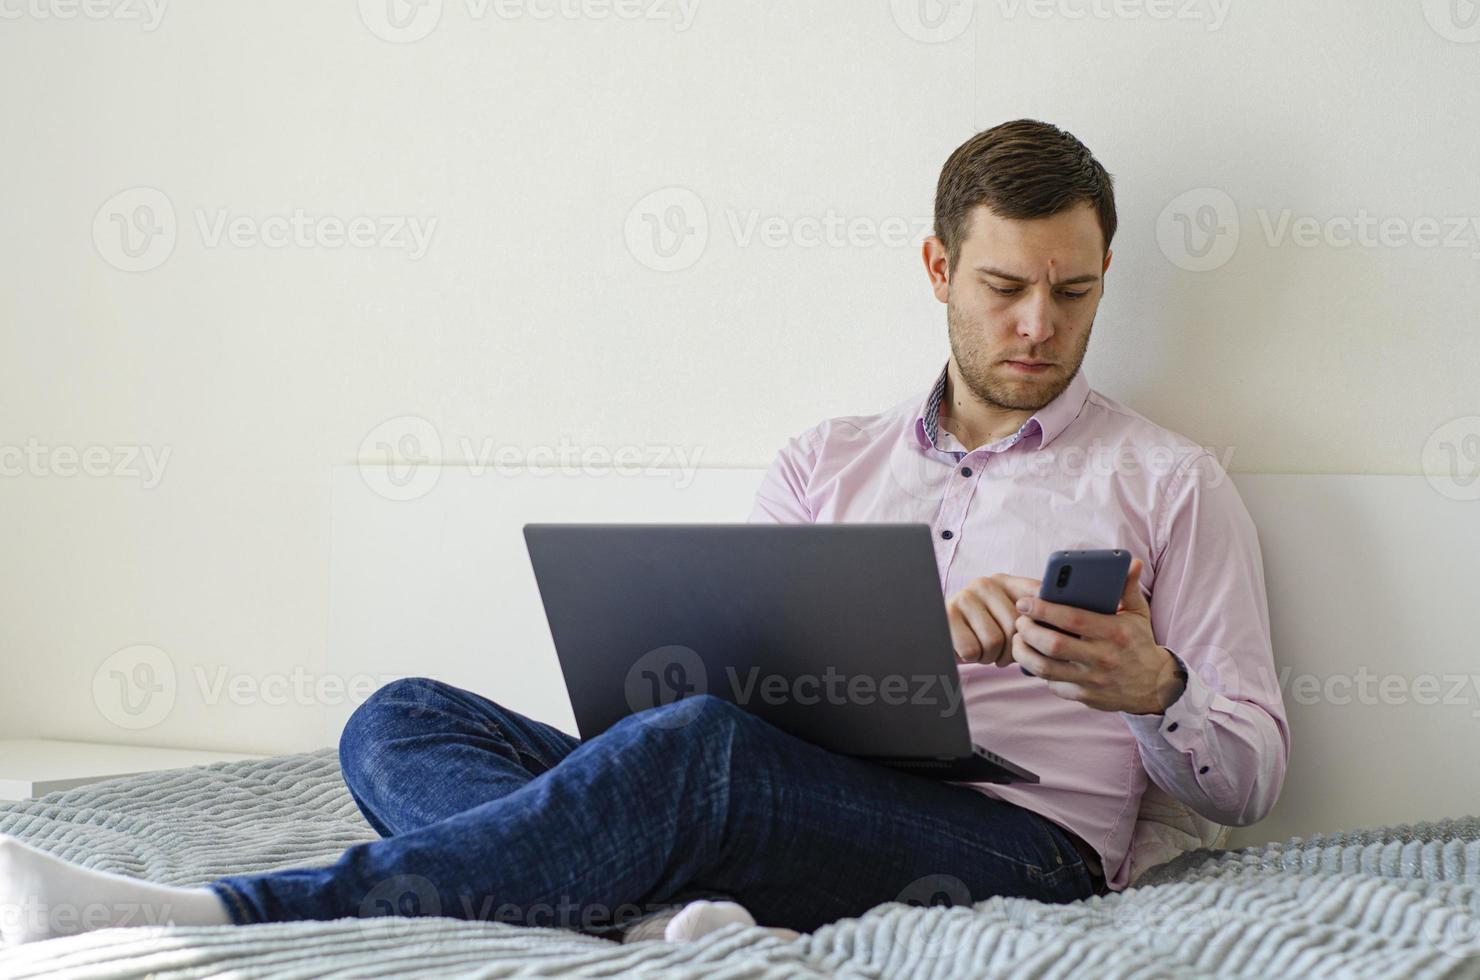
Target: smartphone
{"points": [[1091, 580]]}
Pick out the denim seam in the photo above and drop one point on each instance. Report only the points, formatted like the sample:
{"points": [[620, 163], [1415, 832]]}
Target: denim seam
{"points": [[519, 753]]}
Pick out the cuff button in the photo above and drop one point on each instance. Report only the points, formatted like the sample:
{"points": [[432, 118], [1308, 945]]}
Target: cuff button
{"points": [[1202, 770], [1172, 727]]}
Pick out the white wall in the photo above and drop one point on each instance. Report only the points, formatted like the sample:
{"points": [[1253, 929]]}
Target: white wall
{"points": [[536, 313]]}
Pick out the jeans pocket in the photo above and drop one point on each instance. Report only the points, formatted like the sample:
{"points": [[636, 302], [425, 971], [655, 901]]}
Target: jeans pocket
{"points": [[1068, 878]]}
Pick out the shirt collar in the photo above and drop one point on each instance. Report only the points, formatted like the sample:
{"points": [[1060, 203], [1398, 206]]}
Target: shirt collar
{"points": [[1049, 421]]}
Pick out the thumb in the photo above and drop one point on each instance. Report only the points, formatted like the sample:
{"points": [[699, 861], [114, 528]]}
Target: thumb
{"points": [[1131, 599]]}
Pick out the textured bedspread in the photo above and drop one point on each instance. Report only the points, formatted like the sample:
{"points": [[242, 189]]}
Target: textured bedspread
{"points": [[1398, 902]]}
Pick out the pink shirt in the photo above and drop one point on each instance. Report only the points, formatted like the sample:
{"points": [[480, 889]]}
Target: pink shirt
{"points": [[1084, 472]]}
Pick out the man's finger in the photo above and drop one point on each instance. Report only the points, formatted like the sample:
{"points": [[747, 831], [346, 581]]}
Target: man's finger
{"points": [[999, 603], [1080, 622], [963, 638], [1055, 645], [1017, 586], [1038, 665], [989, 633], [1131, 599]]}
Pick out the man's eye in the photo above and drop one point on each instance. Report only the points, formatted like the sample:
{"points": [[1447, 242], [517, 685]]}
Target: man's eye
{"points": [[1004, 292], [1071, 295]]}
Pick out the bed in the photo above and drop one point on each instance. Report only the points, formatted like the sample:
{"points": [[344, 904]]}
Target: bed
{"points": [[1398, 901]]}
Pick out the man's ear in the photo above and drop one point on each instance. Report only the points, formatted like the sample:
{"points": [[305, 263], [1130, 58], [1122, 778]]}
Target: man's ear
{"points": [[937, 267], [1108, 256]]}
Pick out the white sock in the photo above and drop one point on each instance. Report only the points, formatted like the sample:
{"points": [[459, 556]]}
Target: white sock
{"points": [[701, 918], [42, 896]]}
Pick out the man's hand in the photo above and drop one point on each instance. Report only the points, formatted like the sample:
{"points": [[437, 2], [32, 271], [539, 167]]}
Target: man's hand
{"points": [[982, 618], [1114, 664]]}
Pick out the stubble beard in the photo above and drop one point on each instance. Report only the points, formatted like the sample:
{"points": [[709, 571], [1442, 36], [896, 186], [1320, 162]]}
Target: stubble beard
{"points": [[983, 373]]}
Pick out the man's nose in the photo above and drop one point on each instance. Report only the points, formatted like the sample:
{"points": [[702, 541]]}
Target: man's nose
{"points": [[1036, 323]]}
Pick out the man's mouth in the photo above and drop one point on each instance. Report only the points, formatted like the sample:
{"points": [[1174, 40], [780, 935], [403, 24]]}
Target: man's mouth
{"points": [[1030, 367]]}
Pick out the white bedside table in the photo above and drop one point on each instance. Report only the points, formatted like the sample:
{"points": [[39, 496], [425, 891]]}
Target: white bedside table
{"points": [[32, 767]]}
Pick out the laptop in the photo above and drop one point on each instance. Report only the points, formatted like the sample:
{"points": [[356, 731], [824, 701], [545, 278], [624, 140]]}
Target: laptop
{"points": [[835, 633]]}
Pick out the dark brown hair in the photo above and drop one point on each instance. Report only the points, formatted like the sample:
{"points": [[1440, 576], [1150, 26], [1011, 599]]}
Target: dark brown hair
{"points": [[1020, 169]]}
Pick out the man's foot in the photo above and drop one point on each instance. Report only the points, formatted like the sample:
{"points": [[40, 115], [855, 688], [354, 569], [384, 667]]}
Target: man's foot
{"points": [[43, 896], [701, 918], [696, 919]]}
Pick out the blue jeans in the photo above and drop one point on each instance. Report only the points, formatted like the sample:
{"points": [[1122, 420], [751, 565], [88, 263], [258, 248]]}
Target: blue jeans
{"points": [[485, 814]]}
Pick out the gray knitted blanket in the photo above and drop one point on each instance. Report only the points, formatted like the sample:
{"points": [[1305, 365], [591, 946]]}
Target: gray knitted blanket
{"points": [[1394, 902]]}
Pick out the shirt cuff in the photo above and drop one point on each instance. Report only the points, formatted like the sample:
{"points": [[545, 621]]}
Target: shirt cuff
{"points": [[1182, 726]]}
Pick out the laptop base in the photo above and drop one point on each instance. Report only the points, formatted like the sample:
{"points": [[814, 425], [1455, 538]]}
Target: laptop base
{"points": [[979, 767]]}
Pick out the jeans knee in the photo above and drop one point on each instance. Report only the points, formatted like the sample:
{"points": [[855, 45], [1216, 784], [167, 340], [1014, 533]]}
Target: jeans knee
{"points": [[385, 714], [705, 714]]}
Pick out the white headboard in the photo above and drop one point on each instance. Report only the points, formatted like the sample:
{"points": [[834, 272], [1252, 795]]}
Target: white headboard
{"points": [[1371, 582]]}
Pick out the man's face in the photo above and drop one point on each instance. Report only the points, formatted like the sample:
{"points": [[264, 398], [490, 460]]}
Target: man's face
{"points": [[1021, 302]]}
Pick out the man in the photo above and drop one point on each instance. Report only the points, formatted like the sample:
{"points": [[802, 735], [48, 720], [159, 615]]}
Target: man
{"points": [[1008, 456]]}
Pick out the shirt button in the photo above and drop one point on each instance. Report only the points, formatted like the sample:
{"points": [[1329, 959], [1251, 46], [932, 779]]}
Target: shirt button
{"points": [[965, 471], [1172, 727], [947, 535], [1202, 770]]}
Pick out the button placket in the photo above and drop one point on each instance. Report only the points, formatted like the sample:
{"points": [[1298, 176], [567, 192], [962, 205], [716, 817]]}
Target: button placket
{"points": [[952, 513]]}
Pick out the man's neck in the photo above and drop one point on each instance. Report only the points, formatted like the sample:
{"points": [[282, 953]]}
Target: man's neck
{"points": [[973, 422]]}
